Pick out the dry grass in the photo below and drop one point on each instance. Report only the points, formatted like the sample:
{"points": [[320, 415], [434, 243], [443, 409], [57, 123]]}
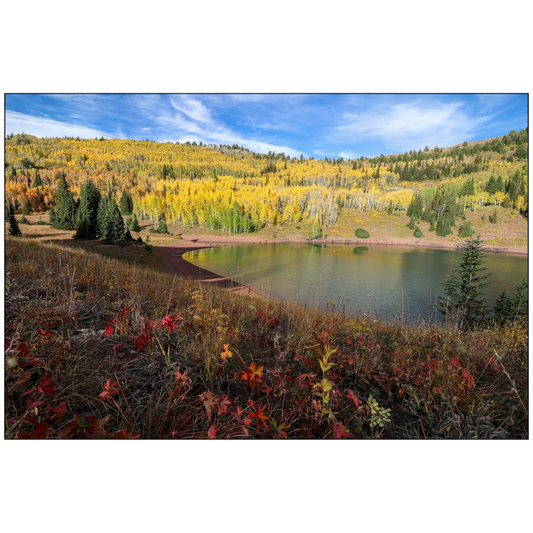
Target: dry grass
{"points": [[324, 374]]}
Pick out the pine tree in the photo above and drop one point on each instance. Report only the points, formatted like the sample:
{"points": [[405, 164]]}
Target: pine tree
{"points": [[444, 224], [102, 216], [65, 209], [14, 229], [418, 233], [88, 212], [513, 308], [126, 203], [466, 230], [134, 224], [26, 210], [464, 304], [412, 224], [37, 182], [116, 232]]}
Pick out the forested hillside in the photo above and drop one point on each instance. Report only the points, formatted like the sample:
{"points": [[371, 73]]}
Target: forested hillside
{"points": [[230, 189]]}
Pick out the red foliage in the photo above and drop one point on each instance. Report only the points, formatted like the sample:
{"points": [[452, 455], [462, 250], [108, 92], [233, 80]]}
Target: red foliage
{"points": [[109, 391]]}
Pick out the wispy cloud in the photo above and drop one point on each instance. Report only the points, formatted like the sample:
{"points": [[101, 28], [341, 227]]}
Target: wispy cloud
{"points": [[189, 119], [46, 127], [411, 125]]}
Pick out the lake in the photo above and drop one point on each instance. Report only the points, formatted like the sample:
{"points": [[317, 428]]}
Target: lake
{"points": [[384, 281]]}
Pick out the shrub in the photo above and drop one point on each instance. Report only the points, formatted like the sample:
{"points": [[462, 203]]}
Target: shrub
{"points": [[418, 233], [494, 217], [316, 231], [24, 220], [162, 228], [362, 233], [466, 230]]}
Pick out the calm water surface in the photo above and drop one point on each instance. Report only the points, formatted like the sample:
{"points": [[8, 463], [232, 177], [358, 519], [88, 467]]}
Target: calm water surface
{"points": [[386, 281]]}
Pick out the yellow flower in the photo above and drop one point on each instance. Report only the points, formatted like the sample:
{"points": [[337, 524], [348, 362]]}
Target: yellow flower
{"points": [[226, 353]]}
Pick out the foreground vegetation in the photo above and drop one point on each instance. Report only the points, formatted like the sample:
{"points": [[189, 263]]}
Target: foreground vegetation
{"points": [[101, 349]]}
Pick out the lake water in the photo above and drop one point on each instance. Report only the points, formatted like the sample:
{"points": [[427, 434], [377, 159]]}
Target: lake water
{"points": [[386, 281]]}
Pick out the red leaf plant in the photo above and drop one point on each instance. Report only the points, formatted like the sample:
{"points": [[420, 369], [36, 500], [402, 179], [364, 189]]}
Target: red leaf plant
{"points": [[109, 391]]}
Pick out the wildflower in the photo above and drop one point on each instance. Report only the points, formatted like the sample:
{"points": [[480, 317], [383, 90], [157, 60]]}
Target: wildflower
{"points": [[168, 322], [45, 334], [226, 354], [339, 431], [141, 341], [124, 311], [109, 391], [182, 379], [212, 433], [59, 412], [253, 374], [46, 387], [108, 331], [351, 396], [259, 415]]}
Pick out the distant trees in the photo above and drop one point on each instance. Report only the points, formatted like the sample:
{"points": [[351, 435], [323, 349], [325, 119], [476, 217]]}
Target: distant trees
{"points": [[464, 304]]}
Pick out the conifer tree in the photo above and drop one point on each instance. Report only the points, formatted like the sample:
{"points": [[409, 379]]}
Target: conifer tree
{"points": [[444, 224], [133, 224], [26, 210], [65, 209], [126, 203], [37, 182], [88, 211], [102, 216], [464, 304], [418, 233], [116, 232], [14, 229]]}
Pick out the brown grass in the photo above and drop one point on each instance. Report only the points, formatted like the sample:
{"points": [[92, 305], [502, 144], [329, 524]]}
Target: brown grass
{"points": [[430, 382]]}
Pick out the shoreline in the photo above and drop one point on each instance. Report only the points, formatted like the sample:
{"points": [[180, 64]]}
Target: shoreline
{"points": [[208, 241], [175, 263]]}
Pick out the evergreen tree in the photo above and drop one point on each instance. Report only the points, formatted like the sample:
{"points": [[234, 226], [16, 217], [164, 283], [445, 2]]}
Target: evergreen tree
{"points": [[134, 224], [162, 228], [416, 207], [444, 224], [466, 230], [37, 182], [513, 308], [115, 230], [26, 210], [494, 217], [464, 304], [432, 223], [88, 211], [14, 229], [412, 223], [418, 233], [126, 203], [102, 217], [65, 208]]}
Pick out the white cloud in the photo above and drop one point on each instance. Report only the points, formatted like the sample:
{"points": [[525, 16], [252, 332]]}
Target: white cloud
{"points": [[47, 127], [411, 125], [188, 119], [193, 109]]}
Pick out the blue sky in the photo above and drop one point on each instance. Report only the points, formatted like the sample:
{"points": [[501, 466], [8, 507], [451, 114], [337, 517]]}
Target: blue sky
{"points": [[316, 125]]}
